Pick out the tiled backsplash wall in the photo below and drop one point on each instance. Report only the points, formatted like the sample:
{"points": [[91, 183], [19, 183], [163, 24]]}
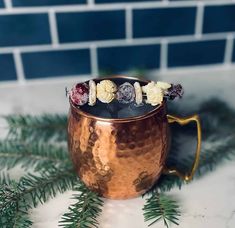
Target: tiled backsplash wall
{"points": [[52, 38]]}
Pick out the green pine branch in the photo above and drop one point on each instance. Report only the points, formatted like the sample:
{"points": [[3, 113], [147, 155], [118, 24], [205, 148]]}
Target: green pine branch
{"points": [[161, 207], [215, 151], [17, 198], [47, 184], [20, 219], [34, 154], [14, 212], [84, 212], [45, 127], [4, 178]]}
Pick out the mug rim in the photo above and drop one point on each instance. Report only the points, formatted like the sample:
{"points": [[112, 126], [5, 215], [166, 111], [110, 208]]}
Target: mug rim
{"points": [[127, 119]]}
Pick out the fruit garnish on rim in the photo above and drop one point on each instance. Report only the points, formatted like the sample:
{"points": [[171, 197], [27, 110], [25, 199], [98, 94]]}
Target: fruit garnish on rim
{"points": [[106, 91]]}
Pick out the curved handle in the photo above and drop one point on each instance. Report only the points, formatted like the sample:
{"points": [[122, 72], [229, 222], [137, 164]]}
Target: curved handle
{"points": [[184, 121]]}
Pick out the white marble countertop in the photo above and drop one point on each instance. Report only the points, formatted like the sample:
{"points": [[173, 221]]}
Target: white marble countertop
{"points": [[207, 202]]}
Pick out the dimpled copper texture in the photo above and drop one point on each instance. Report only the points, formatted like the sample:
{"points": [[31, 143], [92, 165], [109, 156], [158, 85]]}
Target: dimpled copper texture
{"points": [[118, 158]]}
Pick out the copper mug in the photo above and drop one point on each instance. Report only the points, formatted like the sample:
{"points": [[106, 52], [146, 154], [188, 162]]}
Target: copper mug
{"points": [[123, 158]]}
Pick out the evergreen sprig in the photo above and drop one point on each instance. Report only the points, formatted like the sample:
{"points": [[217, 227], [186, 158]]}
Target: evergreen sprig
{"points": [[215, 151], [4, 178], [13, 210], [17, 198], [84, 212], [47, 183], [32, 154], [161, 207], [44, 127]]}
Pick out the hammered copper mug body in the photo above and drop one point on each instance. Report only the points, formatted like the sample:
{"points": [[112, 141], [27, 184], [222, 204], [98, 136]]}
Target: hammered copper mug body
{"points": [[119, 158]]}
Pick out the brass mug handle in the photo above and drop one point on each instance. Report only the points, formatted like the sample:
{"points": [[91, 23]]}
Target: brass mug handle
{"points": [[183, 121]]}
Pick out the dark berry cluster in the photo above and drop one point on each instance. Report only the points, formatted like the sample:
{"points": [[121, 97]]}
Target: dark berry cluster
{"points": [[174, 91]]}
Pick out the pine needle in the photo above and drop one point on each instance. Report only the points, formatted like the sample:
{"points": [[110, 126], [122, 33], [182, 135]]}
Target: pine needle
{"points": [[13, 210], [84, 213], [47, 184], [17, 198], [161, 207], [4, 178], [34, 154], [44, 127]]}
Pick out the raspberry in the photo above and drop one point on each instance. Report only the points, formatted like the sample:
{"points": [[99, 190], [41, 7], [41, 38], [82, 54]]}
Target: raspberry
{"points": [[125, 93], [79, 94]]}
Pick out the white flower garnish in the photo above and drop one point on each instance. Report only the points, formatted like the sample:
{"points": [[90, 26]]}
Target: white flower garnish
{"points": [[163, 85], [106, 91], [154, 93]]}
